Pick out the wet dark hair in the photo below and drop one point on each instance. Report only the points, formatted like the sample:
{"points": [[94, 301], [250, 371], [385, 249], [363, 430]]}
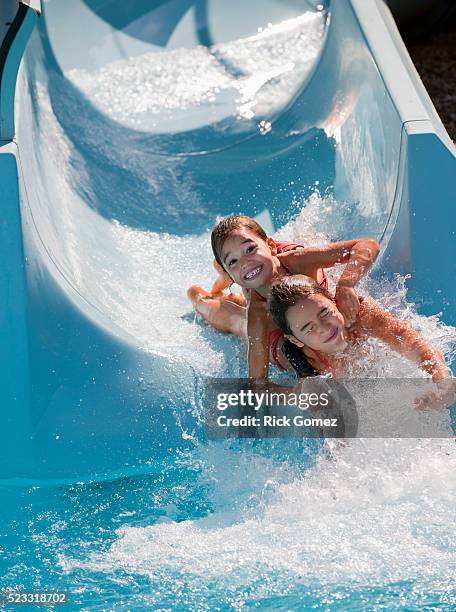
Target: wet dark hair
{"points": [[286, 292], [298, 360], [224, 227]]}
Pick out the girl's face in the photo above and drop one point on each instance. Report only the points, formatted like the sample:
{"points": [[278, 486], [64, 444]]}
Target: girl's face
{"points": [[316, 322], [248, 259]]}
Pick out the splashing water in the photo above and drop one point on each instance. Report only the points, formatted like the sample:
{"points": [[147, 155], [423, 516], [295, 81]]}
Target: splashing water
{"points": [[345, 523], [227, 525], [180, 89], [222, 528]]}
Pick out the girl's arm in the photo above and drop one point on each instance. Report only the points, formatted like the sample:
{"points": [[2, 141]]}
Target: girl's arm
{"points": [[402, 338], [258, 324], [223, 280], [358, 255]]}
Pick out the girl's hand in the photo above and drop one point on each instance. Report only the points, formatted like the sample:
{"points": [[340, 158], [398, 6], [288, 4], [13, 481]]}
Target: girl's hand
{"points": [[442, 396], [347, 302]]}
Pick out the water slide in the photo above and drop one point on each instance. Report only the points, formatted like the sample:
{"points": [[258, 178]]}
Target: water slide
{"points": [[135, 125]]}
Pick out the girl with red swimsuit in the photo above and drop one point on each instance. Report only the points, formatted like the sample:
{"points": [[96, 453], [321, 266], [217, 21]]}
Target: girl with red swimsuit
{"points": [[310, 318]]}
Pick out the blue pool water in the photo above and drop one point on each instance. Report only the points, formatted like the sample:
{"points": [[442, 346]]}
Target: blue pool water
{"points": [[216, 528], [131, 145]]}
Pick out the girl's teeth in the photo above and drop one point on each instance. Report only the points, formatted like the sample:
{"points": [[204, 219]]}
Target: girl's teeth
{"points": [[252, 273]]}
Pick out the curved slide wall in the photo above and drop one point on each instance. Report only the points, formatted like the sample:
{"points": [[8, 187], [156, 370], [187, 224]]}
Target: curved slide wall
{"points": [[113, 215]]}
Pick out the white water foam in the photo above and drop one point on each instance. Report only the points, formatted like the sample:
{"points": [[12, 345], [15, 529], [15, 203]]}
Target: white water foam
{"points": [[380, 513], [181, 89]]}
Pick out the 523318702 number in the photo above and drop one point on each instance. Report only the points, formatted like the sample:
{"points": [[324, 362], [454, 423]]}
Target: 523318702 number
{"points": [[37, 598]]}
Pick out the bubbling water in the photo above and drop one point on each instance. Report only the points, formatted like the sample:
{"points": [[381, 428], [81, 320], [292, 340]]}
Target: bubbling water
{"points": [[381, 513], [180, 89]]}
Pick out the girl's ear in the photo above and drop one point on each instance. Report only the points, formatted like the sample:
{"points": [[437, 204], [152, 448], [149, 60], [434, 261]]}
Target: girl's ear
{"points": [[294, 340], [272, 245]]}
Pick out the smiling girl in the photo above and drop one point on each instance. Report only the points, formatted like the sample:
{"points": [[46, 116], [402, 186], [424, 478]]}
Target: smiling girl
{"points": [[245, 255], [311, 320]]}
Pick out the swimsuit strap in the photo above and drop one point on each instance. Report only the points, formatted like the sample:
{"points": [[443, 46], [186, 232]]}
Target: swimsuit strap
{"points": [[324, 361], [283, 247], [324, 282]]}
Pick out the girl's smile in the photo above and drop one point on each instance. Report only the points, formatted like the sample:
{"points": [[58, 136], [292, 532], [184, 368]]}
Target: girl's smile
{"points": [[316, 322], [248, 276], [333, 335]]}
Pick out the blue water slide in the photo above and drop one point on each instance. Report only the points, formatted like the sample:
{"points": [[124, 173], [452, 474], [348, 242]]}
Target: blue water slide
{"points": [[131, 127]]}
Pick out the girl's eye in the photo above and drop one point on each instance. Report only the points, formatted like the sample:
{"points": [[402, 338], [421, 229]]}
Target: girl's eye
{"points": [[231, 263], [251, 248], [324, 314]]}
